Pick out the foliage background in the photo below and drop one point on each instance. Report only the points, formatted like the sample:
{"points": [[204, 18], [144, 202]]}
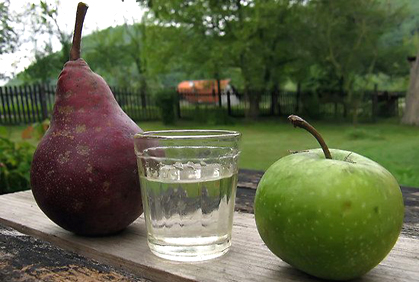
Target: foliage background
{"points": [[261, 45]]}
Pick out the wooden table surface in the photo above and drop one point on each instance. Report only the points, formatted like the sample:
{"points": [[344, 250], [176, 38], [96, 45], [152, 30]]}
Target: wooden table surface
{"points": [[32, 248]]}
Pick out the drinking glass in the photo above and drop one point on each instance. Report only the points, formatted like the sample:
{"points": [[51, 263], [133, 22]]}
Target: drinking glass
{"points": [[188, 184]]}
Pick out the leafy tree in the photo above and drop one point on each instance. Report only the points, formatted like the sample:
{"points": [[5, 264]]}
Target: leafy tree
{"points": [[9, 32], [165, 51], [49, 19], [44, 70], [119, 55], [411, 116], [252, 36], [264, 45], [136, 50], [411, 27], [105, 52], [347, 42], [198, 29], [8, 36], [44, 20]]}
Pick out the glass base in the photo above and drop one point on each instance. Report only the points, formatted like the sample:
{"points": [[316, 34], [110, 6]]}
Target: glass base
{"points": [[189, 253]]}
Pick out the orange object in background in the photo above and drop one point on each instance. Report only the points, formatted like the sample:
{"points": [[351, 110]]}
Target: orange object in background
{"points": [[202, 91]]}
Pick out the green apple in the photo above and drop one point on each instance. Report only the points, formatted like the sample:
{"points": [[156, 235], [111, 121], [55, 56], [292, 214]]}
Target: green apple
{"points": [[334, 218]]}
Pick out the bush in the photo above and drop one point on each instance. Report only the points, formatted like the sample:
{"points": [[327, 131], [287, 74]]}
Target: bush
{"points": [[219, 116], [167, 101], [15, 164], [36, 131], [16, 158]]}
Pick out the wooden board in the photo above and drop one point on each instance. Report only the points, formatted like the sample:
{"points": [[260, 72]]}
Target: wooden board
{"points": [[248, 259], [24, 258]]}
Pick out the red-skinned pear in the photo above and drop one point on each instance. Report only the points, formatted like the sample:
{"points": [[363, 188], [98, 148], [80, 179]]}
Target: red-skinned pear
{"points": [[84, 172]]}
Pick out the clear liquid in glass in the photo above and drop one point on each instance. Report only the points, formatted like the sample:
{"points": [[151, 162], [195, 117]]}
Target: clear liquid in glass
{"points": [[189, 210]]}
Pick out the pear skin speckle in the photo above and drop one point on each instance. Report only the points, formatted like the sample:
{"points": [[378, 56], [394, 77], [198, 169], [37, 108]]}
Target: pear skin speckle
{"points": [[81, 128]]}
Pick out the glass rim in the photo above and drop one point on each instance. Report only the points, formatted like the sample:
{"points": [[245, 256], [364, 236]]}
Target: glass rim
{"points": [[232, 156], [182, 134]]}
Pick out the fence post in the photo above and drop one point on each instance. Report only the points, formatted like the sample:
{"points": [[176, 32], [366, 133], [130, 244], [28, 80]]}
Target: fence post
{"points": [[274, 100], [219, 92], [213, 95], [178, 104], [10, 107], [298, 97], [374, 102], [15, 99], [229, 103], [42, 98], [143, 98], [3, 116]]}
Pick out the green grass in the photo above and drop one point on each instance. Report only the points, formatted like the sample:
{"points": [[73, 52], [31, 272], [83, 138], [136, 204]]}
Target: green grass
{"points": [[392, 145]]}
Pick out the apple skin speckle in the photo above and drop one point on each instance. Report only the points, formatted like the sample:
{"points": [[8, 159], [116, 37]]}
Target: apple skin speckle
{"points": [[343, 219]]}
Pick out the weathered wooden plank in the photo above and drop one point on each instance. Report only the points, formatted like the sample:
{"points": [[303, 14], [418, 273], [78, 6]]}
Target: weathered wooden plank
{"points": [[20, 91], [9, 104], [25, 258], [30, 91], [248, 260], [15, 100], [3, 115]]}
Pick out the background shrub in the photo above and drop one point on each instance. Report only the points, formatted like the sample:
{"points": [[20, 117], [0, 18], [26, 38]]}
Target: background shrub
{"points": [[166, 101], [15, 164]]}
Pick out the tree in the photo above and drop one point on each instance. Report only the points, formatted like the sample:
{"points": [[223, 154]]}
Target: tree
{"points": [[411, 113], [201, 26], [135, 49], [165, 51], [44, 70], [252, 36], [49, 20], [347, 40], [105, 51], [264, 44], [8, 36], [9, 33], [47, 65]]}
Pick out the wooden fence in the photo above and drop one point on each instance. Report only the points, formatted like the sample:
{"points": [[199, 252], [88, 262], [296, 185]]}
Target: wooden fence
{"points": [[236, 105], [34, 103], [25, 104], [327, 105]]}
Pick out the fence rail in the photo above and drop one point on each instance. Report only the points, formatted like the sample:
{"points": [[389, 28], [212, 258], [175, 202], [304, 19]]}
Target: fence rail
{"points": [[25, 104], [34, 103], [326, 105], [136, 105]]}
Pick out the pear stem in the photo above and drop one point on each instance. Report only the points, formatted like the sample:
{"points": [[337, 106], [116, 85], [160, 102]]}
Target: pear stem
{"points": [[75, 48], [301, 123]]}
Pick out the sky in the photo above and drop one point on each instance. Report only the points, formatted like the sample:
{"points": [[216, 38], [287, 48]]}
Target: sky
{"points": [[100, 15]]}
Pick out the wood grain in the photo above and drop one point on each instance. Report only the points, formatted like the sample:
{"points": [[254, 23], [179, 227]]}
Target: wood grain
{"points": [[248, 259], [24, 258]]}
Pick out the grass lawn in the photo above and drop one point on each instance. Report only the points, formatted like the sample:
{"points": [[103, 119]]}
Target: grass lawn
{"points": [[392, 145]]}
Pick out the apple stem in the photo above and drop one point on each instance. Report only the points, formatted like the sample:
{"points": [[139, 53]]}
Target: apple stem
{"points": [[299, 122], [75, 48]]}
